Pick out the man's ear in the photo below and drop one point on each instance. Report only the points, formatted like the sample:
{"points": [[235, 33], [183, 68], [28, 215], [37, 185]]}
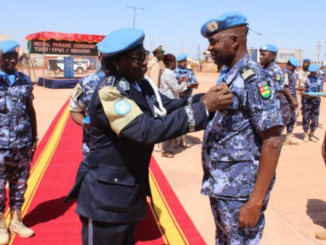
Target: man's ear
{"points": [[236, 40]]}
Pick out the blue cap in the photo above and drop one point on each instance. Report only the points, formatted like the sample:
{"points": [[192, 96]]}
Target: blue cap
{"points": [[223, 22], [294, 61], [8, 46], [181, 57], [306, 59], [120, 41], [269, 47], [313, 68]]}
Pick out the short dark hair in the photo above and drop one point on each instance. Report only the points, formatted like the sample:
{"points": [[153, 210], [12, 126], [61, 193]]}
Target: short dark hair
{"points": [[168, 58]]}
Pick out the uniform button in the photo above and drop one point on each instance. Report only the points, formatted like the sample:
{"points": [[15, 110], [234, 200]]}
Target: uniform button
{"points": [[115, 180]]}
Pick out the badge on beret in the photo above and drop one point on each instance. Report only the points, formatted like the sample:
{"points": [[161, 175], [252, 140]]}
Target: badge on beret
{"points": [[264, 90], [122, 107], [212, 26], [278, 77], [246, 73], [286, 79], [264, 48]]}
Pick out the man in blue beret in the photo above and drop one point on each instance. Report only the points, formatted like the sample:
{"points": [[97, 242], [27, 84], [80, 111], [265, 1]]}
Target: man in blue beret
{"points": [[242, 144], [289, 100], [267, 60], [311, 104], [79, 103], [128, 115], [187, 75], [321, 72], [18, 138]]}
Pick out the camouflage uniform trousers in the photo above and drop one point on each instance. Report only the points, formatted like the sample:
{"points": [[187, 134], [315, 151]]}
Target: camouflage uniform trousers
{"points": [[310, 114], [14, 168], [226, 216], [289, 117]]}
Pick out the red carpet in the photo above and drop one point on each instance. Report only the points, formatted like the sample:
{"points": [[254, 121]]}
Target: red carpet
{"points": [[52, 175]]}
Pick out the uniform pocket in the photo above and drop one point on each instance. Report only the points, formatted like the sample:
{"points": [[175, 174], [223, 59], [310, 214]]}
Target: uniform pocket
{"points": [[231, 173], [115, 188]]}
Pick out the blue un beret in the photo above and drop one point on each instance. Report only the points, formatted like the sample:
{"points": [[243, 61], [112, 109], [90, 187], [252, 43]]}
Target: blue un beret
{"points": [[120, 41], [223, 22], [269, 47], [313, 68], [294, 61], [9, 46], [181, 57], [306, 59]]}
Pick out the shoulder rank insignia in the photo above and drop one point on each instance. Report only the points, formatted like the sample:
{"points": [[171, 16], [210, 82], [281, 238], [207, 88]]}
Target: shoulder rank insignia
{"points": [[264, 90], [124, 84], [278, 77], [108, 82], [286, 79], [246, 73]]}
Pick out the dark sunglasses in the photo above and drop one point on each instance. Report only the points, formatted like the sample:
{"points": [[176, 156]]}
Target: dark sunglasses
{"points": [[139, 58]]}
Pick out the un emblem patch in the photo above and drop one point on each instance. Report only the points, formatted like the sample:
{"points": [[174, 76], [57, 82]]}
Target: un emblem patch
{"points": [[122, 107]]}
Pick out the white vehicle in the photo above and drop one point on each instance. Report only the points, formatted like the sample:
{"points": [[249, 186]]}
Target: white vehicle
{"points": [[57, 65]]}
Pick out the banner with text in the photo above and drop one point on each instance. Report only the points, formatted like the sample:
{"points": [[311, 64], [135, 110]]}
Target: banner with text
{"points": [[62, 48]]}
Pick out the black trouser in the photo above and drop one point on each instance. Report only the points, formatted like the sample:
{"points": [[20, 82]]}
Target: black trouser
{"points": [[102, 233]]}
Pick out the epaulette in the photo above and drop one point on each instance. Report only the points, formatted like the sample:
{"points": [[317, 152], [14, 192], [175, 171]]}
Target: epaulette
{"points": [[108, 82], [247, 73], [124, 84]]}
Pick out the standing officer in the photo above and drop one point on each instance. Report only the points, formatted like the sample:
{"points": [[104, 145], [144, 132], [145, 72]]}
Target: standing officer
{"points": [[154, 68], [128, 115], [267, 60], [302, 77], [18, 139], [321, 73], [79, 102], [289, 100], [241, 144], [311, 104], [182, 72]]}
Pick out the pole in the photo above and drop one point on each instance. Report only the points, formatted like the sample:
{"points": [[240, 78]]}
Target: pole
{"points": [[135, 9], [318, 49], [43, 63]]}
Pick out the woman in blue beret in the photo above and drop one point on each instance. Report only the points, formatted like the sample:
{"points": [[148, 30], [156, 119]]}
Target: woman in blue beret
{"points": [[128, 116]]}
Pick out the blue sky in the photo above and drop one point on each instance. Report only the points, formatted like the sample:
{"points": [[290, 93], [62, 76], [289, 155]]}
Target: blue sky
{"points": [[173, 23]]}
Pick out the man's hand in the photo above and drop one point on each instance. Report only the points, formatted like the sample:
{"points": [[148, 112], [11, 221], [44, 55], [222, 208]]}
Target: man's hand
{"points": [[181, 80], [249, 215], [295, 104], [217, 98], [195, 85], [34, 147]]}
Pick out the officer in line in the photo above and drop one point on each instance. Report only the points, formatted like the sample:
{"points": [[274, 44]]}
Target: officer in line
{"points": [[79, 102], [321, 73], [242, 144], [302, 77], [188, 75], [311, 104], [128, 115], [18, 139], [154, 67], [267, 60], [289, 100]]}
